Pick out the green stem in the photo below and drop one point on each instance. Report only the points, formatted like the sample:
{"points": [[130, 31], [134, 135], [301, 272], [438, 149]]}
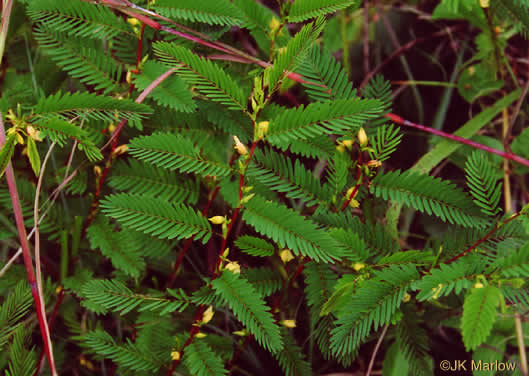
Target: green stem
{"points": [[64, 255]]}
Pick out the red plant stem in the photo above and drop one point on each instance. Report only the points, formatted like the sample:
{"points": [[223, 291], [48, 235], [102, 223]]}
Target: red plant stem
{"points": [[53, 316], [397, 119], [21, 229], [483, 239], [198, 316], [140, 47], [358, 182]]}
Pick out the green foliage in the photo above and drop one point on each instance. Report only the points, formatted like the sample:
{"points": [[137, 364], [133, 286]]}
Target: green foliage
{"points": [[479, 314], [483, 185], [157, 217], [428, 195], [289, 229], [233, 215], [175, 152], [114, 296], [249, 307], [302, 10]]}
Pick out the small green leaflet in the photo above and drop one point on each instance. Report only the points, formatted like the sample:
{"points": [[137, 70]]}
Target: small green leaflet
{"points": [[7, 152], [33, 156]]}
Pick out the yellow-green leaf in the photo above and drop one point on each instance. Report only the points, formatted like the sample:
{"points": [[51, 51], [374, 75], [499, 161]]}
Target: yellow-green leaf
{"points": [[7, 152], [33, 155]]}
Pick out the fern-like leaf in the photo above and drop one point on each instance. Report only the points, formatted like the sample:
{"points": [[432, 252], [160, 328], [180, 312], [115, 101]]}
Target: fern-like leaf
{"points": [[60, 130], [305, 9], [479, 314], [321, 118], [175, 152], [13, 309], [22, 361], [77, 18], [328, 80], [96, 107], [114, 296], [138, 177], [213, 12], [372, 306], [119, 247], [157, 217], [291, 357], [81, 60], [254, 246], [201, 360], [249, 307], [385, 142], [291, 57], [428, 195], [171, 93], [290, 229], [127, 355], [265, 280], [204, 75], [279, 174], [483, 183]]}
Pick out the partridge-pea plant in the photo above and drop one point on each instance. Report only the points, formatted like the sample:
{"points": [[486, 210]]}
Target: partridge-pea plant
{"points": [[199, 188]]}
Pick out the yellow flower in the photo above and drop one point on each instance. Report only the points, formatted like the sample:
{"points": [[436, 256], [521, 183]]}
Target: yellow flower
{"points": [[200, 335], [484, 3], [288, 323], [406, 298], [286, 255], [354, 204], [234, 267], [478, 285], [175, 355], [33, 133], [217, 220], [208, 315], [239, 146]]}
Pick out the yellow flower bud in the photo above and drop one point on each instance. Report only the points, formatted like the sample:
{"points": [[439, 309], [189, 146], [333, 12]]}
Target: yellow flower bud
{"points": [[347, 143], [247, 198], [240, 333], [234, 267], [111, 127], [362, 137], [354, 204], [478, 285], [133, 21], [239, 146], [406, 298], [286, 255], [288, 323], [97, 171], [358, 266], [437, 291], [484, 3], [20, 139], [208, 315], [217, 220], [200, 335], [262, 129], [121, 149], [128, 78], [471, 71], [175, 355], [374, 163], [274, 24], [350, 192]]}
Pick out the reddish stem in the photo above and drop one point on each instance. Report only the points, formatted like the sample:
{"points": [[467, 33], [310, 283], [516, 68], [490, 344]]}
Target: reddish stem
{"points": [[482, 240], [357, 185], [397, 119], [21, 229], [53, 316]]}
